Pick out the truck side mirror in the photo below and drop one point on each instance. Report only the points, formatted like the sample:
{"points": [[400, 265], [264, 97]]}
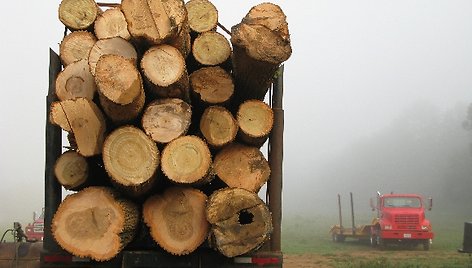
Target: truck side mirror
{"points": [[430, 203]]}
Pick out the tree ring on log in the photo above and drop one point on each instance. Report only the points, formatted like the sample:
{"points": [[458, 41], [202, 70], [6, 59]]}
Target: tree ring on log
{"points": [[186, 159], [130, 156], [177, 219]]}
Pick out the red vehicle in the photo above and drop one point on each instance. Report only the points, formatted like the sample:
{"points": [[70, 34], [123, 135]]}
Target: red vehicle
{"points": [[35, 231], [400, 219]]}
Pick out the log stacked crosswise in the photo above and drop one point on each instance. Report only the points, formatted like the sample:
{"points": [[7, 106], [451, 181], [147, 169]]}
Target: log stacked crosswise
{"points": [[165, 117]]}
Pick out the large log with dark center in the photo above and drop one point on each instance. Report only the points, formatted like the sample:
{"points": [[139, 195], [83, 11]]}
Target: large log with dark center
{"points": [[177, 219], [75, 81], [95, 223]]}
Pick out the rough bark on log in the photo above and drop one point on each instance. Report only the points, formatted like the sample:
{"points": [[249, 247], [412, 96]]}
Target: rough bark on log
{"points": [[261, 42], [177, 219], [242, 166], [95, 223], [123, 114], [218, 126], [211, 86], [78, 14], [202, 14], [211, 48], [118, 79], [71, 170], [75, 81], [166, 119], [113, 46], [154, 21], [183, 41], [111, 23], [240, 221], [131, 160], [255, 119], [76, 46], [85, 120], [186, 160], [164, 70]]}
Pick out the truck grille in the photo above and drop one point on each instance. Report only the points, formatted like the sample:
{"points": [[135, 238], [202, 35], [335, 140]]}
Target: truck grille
{"points": [[407, 221]]}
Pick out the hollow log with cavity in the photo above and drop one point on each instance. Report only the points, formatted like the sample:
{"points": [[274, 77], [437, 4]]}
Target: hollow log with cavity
{"points": [[240, 221]]}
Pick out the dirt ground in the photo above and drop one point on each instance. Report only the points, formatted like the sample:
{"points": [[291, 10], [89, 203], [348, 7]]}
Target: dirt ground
{"points": [[422, 258]]}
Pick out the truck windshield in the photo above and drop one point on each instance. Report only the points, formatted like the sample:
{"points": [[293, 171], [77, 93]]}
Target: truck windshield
{"points": [[402, 202]]}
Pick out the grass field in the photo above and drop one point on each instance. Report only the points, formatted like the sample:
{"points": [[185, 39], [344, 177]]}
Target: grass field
{"points": [[308, 238]]}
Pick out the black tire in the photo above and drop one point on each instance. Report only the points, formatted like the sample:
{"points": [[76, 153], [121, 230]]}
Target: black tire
{"points": [[380, 243], [337, 238], [426, 245], [373, 240]]}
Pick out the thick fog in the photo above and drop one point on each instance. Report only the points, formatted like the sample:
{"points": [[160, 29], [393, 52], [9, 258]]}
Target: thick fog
{"points": [[375, 97]]}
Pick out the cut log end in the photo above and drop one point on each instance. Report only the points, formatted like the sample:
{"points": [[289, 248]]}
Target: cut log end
{"points": [[255, 119], [78, 14], [177, 219], [111, 23], [163, 65], [85, 120], [71, 170], [76, 46], [118, 79], [218, 126], [186, 160], [115, 46], [166, 119], [131, 159], [202, 15], [211, 48], [241, 222], [92, 223], [242, 166], [212, 85], [153, 21], [75, 81]]}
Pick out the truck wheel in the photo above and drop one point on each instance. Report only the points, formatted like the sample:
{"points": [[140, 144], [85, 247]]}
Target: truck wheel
{"points": [[373, 240], [338, 238], [380, 243], [426, 245]]}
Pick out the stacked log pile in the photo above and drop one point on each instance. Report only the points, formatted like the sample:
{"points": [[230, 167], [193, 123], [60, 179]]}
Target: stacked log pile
{"points": [[165, 119]]}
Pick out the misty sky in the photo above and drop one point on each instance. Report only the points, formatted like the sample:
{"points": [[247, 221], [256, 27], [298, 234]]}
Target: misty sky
{"points": [[356, 65]]}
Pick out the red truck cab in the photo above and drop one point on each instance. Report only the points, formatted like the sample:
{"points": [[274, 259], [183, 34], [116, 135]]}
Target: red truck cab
{"points": [[401, 219], [35, 231]]}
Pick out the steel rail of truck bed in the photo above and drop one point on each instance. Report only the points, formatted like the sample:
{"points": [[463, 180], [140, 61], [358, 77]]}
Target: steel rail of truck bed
{"points": [[269, 255]]}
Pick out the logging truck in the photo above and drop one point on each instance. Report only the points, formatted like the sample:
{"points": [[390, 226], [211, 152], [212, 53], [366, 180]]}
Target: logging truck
{"points": [[142, 251], [400, 219], [164, 120]]}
